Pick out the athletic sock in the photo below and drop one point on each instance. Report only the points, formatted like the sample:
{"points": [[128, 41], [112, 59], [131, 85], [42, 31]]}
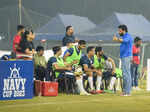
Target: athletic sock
{"points": [[112, 82], [99, 82], [90, 80]]}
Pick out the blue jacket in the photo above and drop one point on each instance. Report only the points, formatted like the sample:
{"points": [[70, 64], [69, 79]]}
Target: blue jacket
{"points": [[126, 46]]}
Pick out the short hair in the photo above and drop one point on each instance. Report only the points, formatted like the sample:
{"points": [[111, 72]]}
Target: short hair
{"points": [[56, 49], [90, 48], [20, 27], [69, 41], [136, 39], [123, 27], [82, 42], [68, 27], [98, 49], [39, 48], [27, 32]]}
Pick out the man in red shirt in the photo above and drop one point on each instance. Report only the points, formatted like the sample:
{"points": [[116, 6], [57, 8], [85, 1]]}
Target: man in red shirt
{"points": [[135, 62], [17, 38]]}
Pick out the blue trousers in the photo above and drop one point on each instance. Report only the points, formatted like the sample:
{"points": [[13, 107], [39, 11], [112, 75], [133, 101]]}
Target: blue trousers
{"points": [[134, 74], [126, 68]]}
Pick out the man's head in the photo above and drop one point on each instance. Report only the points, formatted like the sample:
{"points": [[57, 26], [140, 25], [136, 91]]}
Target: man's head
{"points": [[122, 29], [91, 51], [82, 44], [138, 41], [28, 34], [40, 50], [69, 44], [99, 51], [57, 50], [69, 30], [20, 29]]}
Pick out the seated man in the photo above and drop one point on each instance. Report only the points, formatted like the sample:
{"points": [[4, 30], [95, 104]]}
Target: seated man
{"points": [[59, 66], [100, 62], [87, 63], [74, 53], [40, 64]]}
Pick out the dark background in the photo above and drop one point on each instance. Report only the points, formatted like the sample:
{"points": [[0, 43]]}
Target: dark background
{"points": [[36, 13]]}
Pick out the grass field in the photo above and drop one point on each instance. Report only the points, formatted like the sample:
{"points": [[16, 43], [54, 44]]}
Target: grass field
{"points": [[138, 102]]}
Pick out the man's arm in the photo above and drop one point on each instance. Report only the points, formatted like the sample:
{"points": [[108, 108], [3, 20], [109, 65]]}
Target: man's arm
{"points": [[66, 55], [116, 39], [57, 67], [86, 69], [113, 64], [76, 40], [28, 52]]}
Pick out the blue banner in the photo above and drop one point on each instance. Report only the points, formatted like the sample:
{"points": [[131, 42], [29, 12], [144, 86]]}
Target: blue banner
{"points": [[16, 80]]}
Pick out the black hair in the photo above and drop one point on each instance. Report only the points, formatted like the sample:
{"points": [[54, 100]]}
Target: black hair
{"points": [[56, 49], [39, 48], [27, 32], [98, 49], [90, 48], [123, 27], [82, 42], [69, 41], [24, 37], [20, 27], [136, 39], [68, 27]]}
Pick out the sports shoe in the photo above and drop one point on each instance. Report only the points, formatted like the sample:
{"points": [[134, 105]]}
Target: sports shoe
{"points": [[109, 91], [99, 91], [133, 88], [125, 95], [92, 92], [137, 88], [85, 93]]}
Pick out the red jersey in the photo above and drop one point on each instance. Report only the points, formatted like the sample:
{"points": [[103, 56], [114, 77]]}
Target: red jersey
{"points": [[136, 54], [16, 41]]}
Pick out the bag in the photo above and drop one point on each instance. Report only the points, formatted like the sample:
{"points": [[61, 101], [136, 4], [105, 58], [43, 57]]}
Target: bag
{"points": [[49, 88]]}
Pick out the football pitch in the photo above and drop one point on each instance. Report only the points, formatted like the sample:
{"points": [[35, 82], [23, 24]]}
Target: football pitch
{"points": [[138, 102]]}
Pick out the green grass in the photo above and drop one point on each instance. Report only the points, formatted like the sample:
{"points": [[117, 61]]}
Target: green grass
{"points": [[138, 102]]}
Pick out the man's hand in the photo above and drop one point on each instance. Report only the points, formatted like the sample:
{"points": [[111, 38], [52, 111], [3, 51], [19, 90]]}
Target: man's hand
{"points": [[115, 38], [75, 61], [113, 71], [99, 72], [69, 68]]}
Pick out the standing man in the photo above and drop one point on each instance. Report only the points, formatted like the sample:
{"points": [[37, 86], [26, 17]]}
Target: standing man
{"points": [[125, 54], [135, 62], [69, 37], [17, 38]]}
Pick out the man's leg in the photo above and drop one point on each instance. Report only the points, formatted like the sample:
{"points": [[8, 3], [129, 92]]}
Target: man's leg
{"points": [[133, 75], [112, 82], [90, 79], [79, 82], [99, 81], [126, 64], [136, 76]]}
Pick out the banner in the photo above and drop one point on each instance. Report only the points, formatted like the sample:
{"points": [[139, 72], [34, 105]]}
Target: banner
{"points": [[16, 80]]}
